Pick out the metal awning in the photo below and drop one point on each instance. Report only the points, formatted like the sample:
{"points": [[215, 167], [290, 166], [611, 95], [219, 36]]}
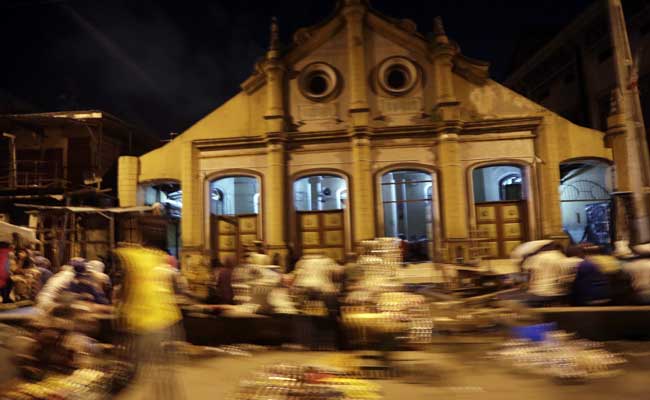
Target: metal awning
{"points": [[78, 209], [7, 232]]}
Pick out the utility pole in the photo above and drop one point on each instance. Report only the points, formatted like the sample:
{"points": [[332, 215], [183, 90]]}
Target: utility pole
{"points": [[638, 164]]}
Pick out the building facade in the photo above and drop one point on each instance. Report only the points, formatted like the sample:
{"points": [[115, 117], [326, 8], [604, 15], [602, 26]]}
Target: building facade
{"points": [[363, 128]]}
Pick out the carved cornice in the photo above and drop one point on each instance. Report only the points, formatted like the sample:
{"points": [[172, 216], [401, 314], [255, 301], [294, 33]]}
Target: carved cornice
{"points": [[254, 82], [230, 143], [432, 130], [501, 125]]}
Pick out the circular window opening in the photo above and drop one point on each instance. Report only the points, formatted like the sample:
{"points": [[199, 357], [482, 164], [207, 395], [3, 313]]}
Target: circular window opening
{"points": [[318, 84], [397, 75], [397, 78]]}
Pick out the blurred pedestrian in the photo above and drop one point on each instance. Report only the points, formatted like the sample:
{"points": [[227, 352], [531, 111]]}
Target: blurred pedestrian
{"points": [[223, 277], [26, 278], [101, 280], [84, 283], [44, 266], [50, 295], [150, 318], [6, 283]]}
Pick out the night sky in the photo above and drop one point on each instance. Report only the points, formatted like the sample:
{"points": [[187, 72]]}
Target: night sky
{"points": [[165, 64]]}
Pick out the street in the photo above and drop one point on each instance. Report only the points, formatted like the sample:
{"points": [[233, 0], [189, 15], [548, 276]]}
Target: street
{"points": [[455, 372]]}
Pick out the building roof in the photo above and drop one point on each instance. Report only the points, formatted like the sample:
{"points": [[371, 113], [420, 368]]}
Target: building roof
{"points": [[117, 126]]}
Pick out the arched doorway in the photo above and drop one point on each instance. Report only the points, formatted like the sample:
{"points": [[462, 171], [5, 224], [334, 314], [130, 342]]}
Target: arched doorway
{"points": [[234, 209], [500, 202], [585, 201], [320, 202], [407, 202]]}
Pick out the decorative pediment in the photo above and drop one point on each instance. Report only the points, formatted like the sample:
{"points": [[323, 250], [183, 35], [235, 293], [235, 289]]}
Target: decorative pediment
{"points": [[401, 31]]}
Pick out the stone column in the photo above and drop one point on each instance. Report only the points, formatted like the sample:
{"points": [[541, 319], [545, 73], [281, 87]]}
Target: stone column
{"points": [[127, 178]]}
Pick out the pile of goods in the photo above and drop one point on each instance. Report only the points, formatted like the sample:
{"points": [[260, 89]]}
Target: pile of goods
{"points": [[283, 381], [57, 354], [87, 384], [379, 309], [560, 356]]}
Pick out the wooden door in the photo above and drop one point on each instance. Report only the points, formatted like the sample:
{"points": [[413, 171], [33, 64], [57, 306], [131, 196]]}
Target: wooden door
{"points": [[322, 232], [246, 232], [504, 225], [231, 234]]}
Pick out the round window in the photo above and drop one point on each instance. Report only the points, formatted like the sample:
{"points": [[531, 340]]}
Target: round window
{"points": [[319, 82], [397, 75]]}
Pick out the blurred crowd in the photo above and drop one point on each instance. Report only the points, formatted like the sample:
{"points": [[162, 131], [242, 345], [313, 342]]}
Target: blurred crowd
{"points": [[25, 274], [584, 275]]}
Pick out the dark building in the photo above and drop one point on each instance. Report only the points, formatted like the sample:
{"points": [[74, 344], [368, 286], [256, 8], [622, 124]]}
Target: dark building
{"points": [[63, 159], [573, 72]]}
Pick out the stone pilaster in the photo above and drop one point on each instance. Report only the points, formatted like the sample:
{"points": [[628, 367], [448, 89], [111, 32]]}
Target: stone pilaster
{"points": [[547, 145], [445, 104], [454, 199], [354, 12], [362, 189], [191, 185], [194, 262], [274, 71], [275, 199], [455, 227], [274, 185], [127, 175]]}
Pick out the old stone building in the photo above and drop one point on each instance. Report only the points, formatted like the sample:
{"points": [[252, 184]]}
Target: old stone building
{"points": [[361, 128]]}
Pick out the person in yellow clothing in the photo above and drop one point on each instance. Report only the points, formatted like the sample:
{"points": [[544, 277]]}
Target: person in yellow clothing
{"points": [[150, 318]]}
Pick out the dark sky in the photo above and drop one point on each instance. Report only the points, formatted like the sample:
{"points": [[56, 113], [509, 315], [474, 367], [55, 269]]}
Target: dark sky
{"points": [[165, 64]]}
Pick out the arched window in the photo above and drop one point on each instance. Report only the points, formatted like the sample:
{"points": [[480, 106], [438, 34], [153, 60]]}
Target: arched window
{"points": [[320, 193], [406, 199], [498, 183], [234, 195]]}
